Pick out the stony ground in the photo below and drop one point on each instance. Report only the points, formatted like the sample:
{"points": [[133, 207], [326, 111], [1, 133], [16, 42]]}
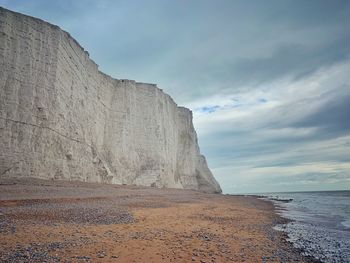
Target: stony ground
{"points": [[44, 221]]}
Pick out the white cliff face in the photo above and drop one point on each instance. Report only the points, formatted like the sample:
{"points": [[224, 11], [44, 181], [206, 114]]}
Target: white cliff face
{"points": [[61, 118]]}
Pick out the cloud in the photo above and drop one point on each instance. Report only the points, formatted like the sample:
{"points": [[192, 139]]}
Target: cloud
{"points": [[299, 130], [294, 60], [334, 114], [208, 109]]}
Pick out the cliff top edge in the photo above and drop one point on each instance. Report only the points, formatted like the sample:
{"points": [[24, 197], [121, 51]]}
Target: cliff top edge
{"points": [[87, 54]]}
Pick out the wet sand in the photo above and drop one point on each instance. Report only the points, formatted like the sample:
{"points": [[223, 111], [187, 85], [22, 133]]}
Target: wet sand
{"points": [[45, 221]]}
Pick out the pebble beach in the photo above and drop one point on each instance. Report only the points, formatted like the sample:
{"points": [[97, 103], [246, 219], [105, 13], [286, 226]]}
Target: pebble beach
{"points": [[57, 221]]}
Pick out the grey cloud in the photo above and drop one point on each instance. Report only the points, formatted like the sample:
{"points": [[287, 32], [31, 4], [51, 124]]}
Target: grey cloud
{"points": [[296, 61], [309, 13], [256, 144], [309, 178], [332, 117]]}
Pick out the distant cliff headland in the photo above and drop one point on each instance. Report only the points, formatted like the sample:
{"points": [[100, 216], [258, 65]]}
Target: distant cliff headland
{"points": [[63, 119]]}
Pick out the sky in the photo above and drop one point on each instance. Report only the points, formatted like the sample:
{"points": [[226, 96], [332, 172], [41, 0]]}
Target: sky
{"points": [[268, 81]]}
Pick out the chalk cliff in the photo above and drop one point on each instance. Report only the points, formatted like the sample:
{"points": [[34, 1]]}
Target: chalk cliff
{"points": [[61, 118]]}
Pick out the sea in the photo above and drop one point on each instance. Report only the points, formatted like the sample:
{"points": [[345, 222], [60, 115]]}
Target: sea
{"points": [[319, 222]]}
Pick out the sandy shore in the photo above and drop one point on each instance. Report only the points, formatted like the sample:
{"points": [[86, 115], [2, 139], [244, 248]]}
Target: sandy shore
{"points": [[44, 221]]}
